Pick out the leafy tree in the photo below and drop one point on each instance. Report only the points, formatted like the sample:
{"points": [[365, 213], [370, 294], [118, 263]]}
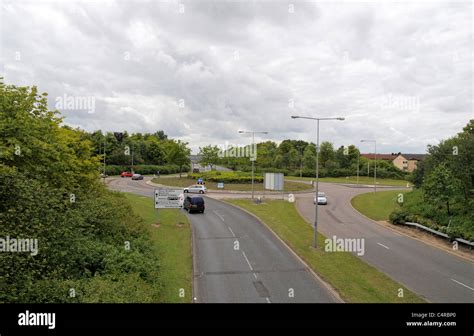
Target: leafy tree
{"points": [[309, 157], [326, 154], [441, 187], [160, 135], [34, 142], [210, 155], [155, 152], [178, 153], [293, 158]]}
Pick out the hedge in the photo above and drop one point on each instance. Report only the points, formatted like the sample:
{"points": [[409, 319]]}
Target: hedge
{"points": [[145, 169], [227, 177]]}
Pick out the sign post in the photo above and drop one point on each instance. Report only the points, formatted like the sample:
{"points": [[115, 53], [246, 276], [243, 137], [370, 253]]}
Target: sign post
{"points": [[168, 198]]}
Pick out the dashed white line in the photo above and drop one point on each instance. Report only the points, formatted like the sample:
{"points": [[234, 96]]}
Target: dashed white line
{"points": [[463, 284], [248, 262], [268, 300], [251, 268], [233, 234], [218, 215], [383, 246]]}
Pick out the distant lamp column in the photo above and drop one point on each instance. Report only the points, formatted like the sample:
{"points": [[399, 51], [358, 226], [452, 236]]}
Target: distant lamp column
{"points": [[253, 159], [105, 145], [315, 237], [375, 162], [358, 162]]}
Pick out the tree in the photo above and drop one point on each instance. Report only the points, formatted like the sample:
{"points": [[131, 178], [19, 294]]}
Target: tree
{"points": [[210, 155], [178, 153], [160, 135], [35, 143], [326, 154], [309, 157], [441, 187], [458, 154], [155, 152], [293, 158]]}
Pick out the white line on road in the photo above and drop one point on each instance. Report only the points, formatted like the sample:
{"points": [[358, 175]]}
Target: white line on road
{"points": [[463, 284], [383, 246], [231, 231], [268, 300], [218, 215], [248, 262]]}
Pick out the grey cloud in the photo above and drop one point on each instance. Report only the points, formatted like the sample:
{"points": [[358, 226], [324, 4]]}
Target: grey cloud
{"points": [[236, 65]]}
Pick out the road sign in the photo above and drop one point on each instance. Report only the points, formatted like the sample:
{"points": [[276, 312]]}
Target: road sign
{"points": [[168, 198], [220, 185]]}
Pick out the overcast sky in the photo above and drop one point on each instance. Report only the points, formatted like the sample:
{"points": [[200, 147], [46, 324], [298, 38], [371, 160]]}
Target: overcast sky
{"points": [[401, 73]]}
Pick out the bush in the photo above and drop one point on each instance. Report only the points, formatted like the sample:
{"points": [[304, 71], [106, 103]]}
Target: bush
{"points": [[77, 241], [399, 216]]}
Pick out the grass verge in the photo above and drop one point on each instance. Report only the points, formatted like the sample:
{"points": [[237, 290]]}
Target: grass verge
{"points": [[377, 206], [185, 182], [171, 234], [353, 180], [354, 280]]}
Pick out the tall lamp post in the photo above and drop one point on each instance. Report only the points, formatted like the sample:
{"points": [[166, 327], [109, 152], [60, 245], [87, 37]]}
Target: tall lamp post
{"points": [[358, 160], [315, 238], [253, 159], [105, 144], [375, 163]]}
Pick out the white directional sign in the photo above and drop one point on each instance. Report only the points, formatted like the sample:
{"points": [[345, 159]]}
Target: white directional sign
{"points": [[168, 198]]}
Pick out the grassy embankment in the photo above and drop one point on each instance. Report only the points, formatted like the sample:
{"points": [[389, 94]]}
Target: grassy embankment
{"points": [[171, 234]]}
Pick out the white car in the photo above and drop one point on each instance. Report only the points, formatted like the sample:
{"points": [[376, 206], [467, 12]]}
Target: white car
{"points": [[196, 188], [321, 198]]}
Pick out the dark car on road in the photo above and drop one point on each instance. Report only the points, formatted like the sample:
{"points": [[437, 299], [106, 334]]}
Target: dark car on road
{"points": [[137, 177], [194, 204]]}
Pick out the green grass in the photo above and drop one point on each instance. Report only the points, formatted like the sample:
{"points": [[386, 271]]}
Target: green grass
{"points": [[355, 280], [353, 179], [377, 206], [185, 182], [172, 243]]}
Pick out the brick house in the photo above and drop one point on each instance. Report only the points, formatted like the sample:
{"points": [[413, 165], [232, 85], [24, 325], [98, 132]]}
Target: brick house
{"points": [[404, 162]]}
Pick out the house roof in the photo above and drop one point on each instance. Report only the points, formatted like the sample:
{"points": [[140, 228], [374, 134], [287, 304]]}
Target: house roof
{"points": [[386, 157], [417, 157]]}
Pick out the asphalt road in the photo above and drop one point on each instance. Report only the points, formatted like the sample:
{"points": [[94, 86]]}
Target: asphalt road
{"points": [[237, 259], [430, 272]]}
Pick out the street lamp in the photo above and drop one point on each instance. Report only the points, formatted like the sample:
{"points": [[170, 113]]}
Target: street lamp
{"points": [[105, 145], [253, 159], [315, 238], [375, 163]]}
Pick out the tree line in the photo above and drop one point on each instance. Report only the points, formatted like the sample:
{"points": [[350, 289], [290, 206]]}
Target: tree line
{"points": [[136, 150], [298, 157]]}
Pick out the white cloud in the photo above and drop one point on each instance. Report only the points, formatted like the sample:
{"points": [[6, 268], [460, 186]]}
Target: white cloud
{"points": [[237, 65]]}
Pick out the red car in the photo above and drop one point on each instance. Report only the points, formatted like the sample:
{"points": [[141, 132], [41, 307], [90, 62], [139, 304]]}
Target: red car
{"points": [[126, 174]]}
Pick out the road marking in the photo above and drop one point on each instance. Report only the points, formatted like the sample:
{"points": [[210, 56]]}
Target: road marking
{"points": [[383, 246], [218, 215], [268, 300], [255, 275], [463, 284], [248, 262], [233, 234]]}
